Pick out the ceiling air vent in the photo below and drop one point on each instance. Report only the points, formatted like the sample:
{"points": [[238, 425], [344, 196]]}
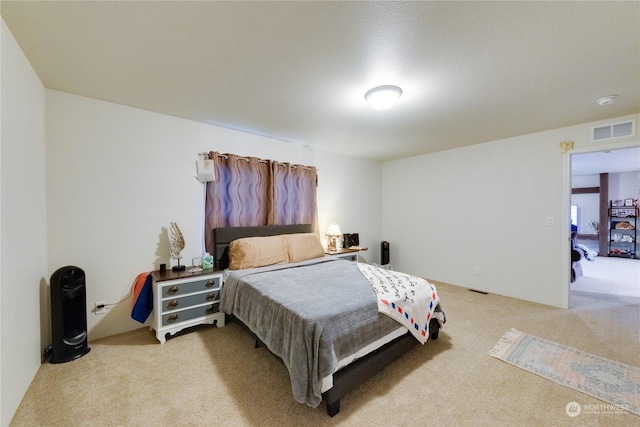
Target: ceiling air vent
{"points": [[613, 130]]}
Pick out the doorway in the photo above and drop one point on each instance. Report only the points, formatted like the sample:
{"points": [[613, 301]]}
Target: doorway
{"points": [[602, 174]]}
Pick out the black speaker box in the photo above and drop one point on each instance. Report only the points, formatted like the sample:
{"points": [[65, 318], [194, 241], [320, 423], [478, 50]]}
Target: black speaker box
{"points": [[68, 315], [384, 252], [350, 239]]}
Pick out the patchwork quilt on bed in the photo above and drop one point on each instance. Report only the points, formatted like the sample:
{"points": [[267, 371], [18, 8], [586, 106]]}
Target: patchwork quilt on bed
{"points": [[408, 299]]}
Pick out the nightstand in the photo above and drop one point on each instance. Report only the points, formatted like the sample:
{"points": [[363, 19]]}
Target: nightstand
{"points": [[182, 299], [350, 254]]}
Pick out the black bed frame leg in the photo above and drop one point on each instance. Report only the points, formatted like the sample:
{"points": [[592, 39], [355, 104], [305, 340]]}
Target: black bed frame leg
{"points": [[333, 408]]}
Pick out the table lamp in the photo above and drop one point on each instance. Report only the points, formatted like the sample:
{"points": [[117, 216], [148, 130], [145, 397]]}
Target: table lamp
{"points": [[333, 232]]}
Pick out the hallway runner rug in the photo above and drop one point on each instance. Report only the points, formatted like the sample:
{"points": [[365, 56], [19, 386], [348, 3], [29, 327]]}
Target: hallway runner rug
{"points": [[604, 379]]}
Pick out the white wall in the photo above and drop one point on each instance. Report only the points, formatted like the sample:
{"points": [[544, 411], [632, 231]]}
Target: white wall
{"points": [[588, 211], [23, 257], [117, 176], [485, 207], [584, 181], [349, 195], [624, 185]]}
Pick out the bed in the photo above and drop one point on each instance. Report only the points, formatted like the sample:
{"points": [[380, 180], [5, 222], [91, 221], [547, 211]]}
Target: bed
{"points": [[318, 314]]}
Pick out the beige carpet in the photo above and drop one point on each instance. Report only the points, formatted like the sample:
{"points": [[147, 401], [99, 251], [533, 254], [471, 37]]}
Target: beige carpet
{"points": [[215, 377], [609, 275]]}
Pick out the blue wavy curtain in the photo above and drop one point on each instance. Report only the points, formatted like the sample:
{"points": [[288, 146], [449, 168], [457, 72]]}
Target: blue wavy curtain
{"points": [[293, 195], [250, 192]]}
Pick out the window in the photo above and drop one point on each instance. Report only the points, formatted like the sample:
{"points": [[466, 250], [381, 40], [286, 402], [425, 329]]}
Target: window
{"points": [[252, 192], [574, 217]]}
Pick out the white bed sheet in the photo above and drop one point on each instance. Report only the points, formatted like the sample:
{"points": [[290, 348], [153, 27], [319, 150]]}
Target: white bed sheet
{"points": [[327, 382]]}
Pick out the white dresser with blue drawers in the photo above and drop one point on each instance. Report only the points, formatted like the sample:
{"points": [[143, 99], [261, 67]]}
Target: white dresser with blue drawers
{"points": [[182, 299]]}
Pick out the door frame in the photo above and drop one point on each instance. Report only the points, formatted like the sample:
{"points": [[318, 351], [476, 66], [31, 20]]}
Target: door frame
{"points": [[566, 207]]}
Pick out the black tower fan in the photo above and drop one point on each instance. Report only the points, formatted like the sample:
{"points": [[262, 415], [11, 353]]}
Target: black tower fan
{"points": [[384, 252], [68, 315]]}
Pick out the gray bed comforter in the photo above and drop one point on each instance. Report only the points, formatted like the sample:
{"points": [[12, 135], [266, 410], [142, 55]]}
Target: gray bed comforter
{"points": [[310, 314]]}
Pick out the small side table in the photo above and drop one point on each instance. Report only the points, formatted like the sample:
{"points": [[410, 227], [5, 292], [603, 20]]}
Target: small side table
{"points": [[182, 299], [350, 254]]}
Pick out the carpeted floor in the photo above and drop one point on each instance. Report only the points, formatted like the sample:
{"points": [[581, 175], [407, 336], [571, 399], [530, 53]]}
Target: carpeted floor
{"points": [[609, 275], [215, 377]]}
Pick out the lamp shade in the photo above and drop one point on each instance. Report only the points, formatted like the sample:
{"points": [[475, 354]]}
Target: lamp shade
{"points": [[333, 230], [383, 97]]}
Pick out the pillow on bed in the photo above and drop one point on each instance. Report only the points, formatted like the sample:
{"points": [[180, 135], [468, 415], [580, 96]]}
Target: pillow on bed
{"points": [[251, 252], [303, 246]]}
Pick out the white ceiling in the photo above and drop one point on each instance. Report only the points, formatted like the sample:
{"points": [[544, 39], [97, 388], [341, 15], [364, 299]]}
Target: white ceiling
{"points": [[471, 72], [623, 160]]}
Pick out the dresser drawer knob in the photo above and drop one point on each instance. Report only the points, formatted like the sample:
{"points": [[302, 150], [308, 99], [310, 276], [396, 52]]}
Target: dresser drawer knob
{"points": [[172, 318], [210, 297], [172, 290], [210, 283], [172, 304], [211, 309]]}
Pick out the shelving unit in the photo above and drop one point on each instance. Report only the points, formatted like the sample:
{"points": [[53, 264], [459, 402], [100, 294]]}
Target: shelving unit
{"points": [[623, 231]]}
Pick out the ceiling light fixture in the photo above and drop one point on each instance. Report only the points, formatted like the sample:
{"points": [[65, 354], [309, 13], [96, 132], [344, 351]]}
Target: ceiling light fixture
{"points": [[383, 97], [607, 100]]}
